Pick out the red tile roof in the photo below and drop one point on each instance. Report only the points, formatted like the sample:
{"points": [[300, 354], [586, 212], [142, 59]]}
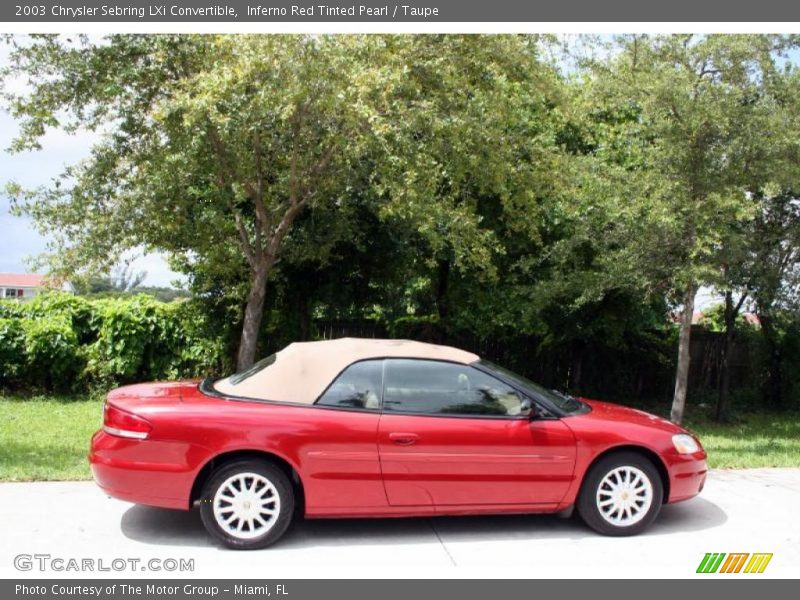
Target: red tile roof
{"points": [[21, 280], [752, 318]]}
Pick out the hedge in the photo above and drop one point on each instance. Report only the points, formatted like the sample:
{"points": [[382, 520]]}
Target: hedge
{"points": [[66, 343]]}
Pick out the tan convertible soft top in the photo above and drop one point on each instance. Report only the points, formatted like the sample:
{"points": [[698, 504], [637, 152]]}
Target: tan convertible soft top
{"points": [[303, 370]]}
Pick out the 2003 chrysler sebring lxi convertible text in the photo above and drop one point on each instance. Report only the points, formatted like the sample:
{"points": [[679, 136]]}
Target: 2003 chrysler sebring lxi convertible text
{"points": [[379, 428]]}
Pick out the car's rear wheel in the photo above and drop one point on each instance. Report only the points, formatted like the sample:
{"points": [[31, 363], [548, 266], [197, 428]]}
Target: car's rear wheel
{"points": [[621, 495], [247, 504]]}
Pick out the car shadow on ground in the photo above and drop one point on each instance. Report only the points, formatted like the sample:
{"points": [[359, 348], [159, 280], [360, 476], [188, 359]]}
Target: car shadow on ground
{"points": [[160, 526]]}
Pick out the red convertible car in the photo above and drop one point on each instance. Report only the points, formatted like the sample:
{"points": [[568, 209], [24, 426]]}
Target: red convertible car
{"points": [[385, 428]]}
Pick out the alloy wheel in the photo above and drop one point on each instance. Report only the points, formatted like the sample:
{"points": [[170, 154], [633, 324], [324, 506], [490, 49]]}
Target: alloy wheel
{"points": [[246, 505], [624, 496]]}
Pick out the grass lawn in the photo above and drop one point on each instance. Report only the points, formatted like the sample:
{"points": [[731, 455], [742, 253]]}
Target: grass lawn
{"points": [[756, 440], [47, 438]]}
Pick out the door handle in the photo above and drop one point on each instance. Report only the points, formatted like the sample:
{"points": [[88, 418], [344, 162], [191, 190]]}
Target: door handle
{"points": [[403, 439]]}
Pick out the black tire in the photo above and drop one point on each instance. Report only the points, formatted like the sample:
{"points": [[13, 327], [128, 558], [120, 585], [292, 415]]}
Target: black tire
{"points": [[588, 503], [274, 526]]}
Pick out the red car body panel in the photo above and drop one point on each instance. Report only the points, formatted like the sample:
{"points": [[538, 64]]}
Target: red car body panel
{"points": [[363, 463], [458, 460], [610, 426]]}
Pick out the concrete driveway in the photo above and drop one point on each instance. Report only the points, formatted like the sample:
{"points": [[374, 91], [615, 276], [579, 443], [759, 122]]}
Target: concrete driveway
{"points": [[739, 511]]}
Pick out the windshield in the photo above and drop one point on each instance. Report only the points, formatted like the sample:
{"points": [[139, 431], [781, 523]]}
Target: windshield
{"points": [[565, 402], [237, 378]]}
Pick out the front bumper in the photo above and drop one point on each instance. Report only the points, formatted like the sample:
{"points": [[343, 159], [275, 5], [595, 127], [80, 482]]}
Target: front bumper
{"points": [[687, 475], [154, 473]]}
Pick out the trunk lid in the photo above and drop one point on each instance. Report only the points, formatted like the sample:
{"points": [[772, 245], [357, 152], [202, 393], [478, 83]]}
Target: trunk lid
{"points": [[142, 398]]}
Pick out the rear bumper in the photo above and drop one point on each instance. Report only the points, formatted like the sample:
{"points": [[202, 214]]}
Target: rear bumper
{"points": [[687, 475], [154, 473]]}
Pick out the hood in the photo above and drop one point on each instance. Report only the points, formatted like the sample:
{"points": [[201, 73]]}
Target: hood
{"points": [[616, 412]]}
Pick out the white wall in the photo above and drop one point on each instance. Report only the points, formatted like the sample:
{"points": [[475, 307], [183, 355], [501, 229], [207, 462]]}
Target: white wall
{"points": [[27, 292]]}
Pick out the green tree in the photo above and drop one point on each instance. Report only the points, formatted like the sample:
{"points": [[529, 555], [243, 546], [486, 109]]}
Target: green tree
{"points": [[772, 276], [703, 127], [213, 146], [119, 281]]}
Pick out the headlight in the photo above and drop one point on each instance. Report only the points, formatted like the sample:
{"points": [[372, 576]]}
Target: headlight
{"points": [[685, 443]]}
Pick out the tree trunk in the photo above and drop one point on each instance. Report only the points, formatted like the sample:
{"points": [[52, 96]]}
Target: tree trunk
{"points": [[721, 412], [253, 314], [682, 374]]}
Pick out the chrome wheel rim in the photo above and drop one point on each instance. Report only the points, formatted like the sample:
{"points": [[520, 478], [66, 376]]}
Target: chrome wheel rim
{"points": [[624, 496], [246, 505]]}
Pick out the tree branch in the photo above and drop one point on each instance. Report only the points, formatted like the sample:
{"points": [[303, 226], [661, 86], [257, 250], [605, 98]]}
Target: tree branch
{"points": [[297, 121], [225, 182], [317, 172], [263, 221], [739, 304], [244, 238]]}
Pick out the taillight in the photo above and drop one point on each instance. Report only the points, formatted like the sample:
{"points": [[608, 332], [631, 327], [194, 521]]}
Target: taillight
{"points": [[124, 424]]}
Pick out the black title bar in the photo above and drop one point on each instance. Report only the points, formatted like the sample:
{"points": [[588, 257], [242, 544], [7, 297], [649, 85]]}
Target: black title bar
{"points": [[406, 11], [397, 589]]}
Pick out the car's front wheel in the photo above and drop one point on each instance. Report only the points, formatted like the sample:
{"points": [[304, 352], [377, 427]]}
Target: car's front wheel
{"points": [[247, 504], [621, 495]]}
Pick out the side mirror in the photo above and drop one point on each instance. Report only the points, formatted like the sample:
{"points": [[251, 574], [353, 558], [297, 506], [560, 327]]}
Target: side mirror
{"points": [[527, 408]]}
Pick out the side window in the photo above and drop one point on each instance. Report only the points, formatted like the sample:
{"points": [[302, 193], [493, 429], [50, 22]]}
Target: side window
{"points": [[358, 386], [432, 387]]}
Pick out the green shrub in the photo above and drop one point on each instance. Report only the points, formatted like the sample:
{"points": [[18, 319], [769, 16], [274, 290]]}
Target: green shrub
{"points": [[139, 338], [61, 342], [11, 309], [53, 359], [203, 350], [81, 313], [12, 351]]}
